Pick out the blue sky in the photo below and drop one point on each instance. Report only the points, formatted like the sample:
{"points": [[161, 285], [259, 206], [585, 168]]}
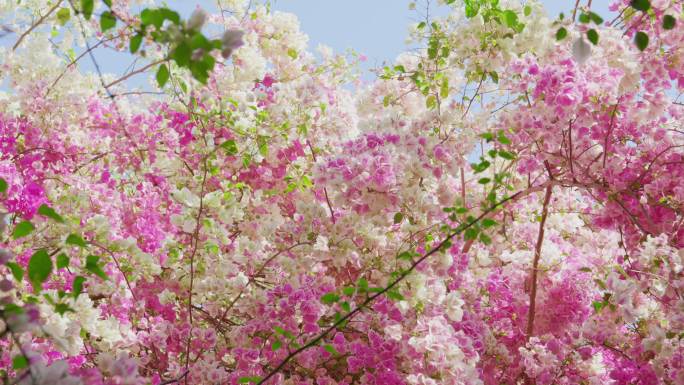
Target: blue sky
{"points": [[374, 28]]}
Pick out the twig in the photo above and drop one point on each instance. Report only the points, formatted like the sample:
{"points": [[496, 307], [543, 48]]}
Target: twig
{"points": [[396, 281], [133, 73], [535, 264], [36, 24]]}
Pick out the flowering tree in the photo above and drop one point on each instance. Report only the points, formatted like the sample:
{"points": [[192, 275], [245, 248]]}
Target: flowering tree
{"points": [[502, 206]]}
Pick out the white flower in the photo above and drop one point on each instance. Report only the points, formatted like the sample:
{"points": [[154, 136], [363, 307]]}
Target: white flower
{"points": [[454, 306]]}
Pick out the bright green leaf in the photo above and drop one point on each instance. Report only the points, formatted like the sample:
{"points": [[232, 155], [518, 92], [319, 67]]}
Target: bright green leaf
{"points": [[595, 17], [62, 261], [510, 18], [39, 268], [92, 265], [49, 212], [107, 21], [19, 362], [277, 344], [136, 41], [330, 298], [431, 102], [17, 271], [162, 75], [87, 8], [230, 146], [75, 240], [330, 349], [23, 229], [63, 15]]}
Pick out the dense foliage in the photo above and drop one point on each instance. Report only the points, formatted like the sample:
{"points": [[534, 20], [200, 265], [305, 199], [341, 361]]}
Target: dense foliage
{"points": [[501, 206]]}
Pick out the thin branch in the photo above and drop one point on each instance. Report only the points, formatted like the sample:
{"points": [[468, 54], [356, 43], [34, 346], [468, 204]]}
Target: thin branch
{"points": [[36, 24], [396, 281], [535, 264], [133, 73]]}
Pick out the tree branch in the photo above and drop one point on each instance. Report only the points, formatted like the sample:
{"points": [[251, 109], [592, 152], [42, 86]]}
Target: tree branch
{"points": [[36, 24]]}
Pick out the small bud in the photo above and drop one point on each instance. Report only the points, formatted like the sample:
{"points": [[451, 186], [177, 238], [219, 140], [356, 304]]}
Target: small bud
{"points": [[581, 50], [197, 19], [231, 40]]}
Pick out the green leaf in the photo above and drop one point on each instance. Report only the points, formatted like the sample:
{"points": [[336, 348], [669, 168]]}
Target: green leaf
{"points": [[23, 229], [484, 238], [444, 89], [136, 41], [75, 240], [348, 291], [277, 344], [593, 36], [598, 305], [63, 16], [561, 33], [87, 8], [495, 76], [398, 217], [595, 17], [17, 271], [471, 8], [92, 265], [330, 298], [431, 102], [182, 54], [108, 3], [584, 18], [292, 53], [362, 284], [169, 14], [39, 269], [345, 306], [484, 180], [488, 222], [407, 255], [47, 211], [62, 261], [19, 362], [641, 5], [641, 40], [330, 349], [506, 155], [394, 295], [107, 21], [527, 11], [501, 137], [471, 233], [669, 22], [162, 75], [61, 308], [245, 380], [510, 18], [150, 16], [230, 146]]}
